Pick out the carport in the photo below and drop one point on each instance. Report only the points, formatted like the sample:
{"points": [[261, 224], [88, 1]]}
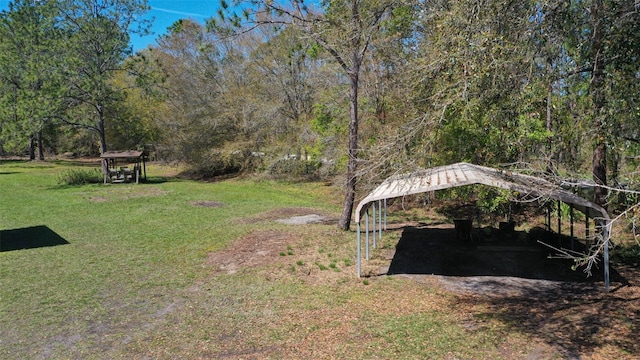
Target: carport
{"points": [[462, 174]]}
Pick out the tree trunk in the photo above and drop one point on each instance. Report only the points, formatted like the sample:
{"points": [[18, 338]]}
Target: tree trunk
{"points": [[40, 147], [549, 128], [345, 218], [103, 139], [32, 148], [358, 49], [600, 173], [101, 132], [599, 103]]}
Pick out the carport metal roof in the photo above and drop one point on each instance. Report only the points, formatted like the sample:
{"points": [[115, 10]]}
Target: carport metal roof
{"points": [[461, 174]]}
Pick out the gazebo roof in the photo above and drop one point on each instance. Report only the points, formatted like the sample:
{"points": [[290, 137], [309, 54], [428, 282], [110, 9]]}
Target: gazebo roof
{"points": [[128, 154], [461, 174]]}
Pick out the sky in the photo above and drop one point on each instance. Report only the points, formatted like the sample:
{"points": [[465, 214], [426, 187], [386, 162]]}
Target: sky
{"points": [[164, 13]]}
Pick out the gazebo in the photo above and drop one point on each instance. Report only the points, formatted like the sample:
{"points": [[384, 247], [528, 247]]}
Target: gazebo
{"points": [[124, 166], [461, 174]]}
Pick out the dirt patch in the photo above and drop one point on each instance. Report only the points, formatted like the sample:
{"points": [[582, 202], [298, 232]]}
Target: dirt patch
{"points": [[298, 251], [255, 249], [286, 213], [517, 267], [206, 203], [302, 220]]}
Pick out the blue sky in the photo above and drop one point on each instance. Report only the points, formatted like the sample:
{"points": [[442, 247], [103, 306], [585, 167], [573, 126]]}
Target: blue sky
{"points": [[165, 13]]}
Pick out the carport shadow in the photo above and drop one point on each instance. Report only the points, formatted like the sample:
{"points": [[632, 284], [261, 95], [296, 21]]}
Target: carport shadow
{"points": [[29, 238], [437, 251], [527, 291]]}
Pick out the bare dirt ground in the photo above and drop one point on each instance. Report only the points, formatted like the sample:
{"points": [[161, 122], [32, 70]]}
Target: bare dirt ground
{"points": [[514, 282], [272, 248], [254, 250]]}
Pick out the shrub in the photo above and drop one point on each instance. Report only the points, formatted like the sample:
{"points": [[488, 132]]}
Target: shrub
{"points": [[628, 254], [294, 169], [219, 163], [80, 177]]}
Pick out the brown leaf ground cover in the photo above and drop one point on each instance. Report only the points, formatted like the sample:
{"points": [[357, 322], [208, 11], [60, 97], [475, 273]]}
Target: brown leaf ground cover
{"points": [[511, 304]]}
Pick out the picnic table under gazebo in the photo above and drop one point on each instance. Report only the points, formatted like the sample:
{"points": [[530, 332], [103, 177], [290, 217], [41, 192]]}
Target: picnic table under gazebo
{"points": [[124, 166]]}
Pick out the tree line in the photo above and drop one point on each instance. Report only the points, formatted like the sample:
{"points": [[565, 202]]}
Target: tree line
{"points": [[349, 89], [59, 68]]}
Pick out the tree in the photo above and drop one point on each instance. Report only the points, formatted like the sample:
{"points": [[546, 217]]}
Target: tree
{"points": [[99, 42], [343, 28], [596, 58], [190, 61], [475, 84], [283, 59], [30, 49], [602, 41], [133, 119]]}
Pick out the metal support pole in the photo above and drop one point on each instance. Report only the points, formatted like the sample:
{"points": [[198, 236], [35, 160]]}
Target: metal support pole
{"points": [[385, 214], [373, 205], [358, 248], [366, 229], [380, 219]]}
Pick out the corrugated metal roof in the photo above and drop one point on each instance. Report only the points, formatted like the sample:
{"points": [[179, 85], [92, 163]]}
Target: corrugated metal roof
{"points": [[128, 154], [460, 174]]}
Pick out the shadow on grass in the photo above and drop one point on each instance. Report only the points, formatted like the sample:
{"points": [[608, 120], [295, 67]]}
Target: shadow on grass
{"points": [[158, 180], [80, 162], [29, 238], [516, 283], [12, 161], [26, 163], [100, 182]]}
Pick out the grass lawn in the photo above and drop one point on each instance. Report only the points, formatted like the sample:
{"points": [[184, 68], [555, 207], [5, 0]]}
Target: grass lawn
{"points": [[174, 269]]}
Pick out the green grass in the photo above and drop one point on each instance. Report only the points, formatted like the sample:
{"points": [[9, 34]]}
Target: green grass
{"points": [[129, 245], [133, 281]]}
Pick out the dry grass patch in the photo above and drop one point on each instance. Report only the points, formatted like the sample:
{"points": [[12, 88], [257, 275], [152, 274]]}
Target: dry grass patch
{"points": [[256, 249], [580, 320], [324, 311], [120, 192], [206, 203]]}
